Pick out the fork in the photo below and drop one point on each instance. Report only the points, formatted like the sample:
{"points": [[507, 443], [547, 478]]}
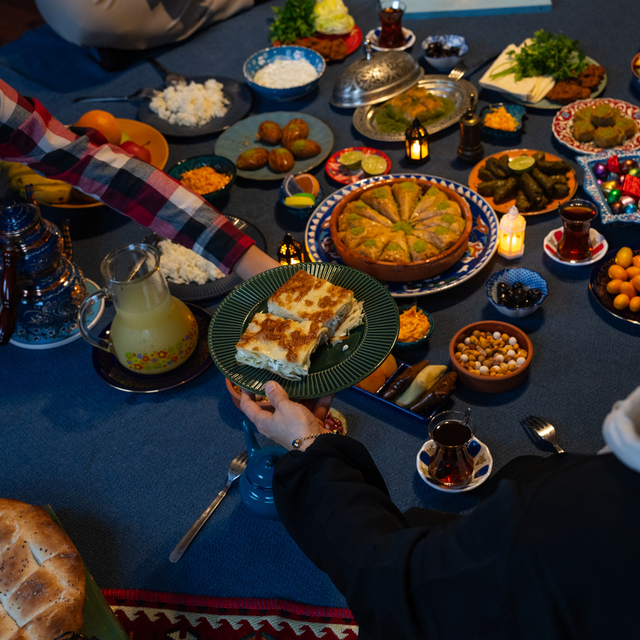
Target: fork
{"points": [[543, 429], [458, 72], [140, 94], [236, 469]]}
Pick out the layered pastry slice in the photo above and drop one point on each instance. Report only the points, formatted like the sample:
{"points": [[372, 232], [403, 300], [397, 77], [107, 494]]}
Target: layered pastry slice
{"points": [[305, 297], [280, 345]]}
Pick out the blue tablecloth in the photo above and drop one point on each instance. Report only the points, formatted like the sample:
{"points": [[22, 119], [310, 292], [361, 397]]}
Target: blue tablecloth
{"points": [[127, 474]]}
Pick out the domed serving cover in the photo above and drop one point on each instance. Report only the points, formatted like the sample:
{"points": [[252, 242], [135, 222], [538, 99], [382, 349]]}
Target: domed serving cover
{"points": [[376, 77]]}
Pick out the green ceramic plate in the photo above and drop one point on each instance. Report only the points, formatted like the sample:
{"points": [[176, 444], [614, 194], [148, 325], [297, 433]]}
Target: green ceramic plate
{"points": [[333, 368]]}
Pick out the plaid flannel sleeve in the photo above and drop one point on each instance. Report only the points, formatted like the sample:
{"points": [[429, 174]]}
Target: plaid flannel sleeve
{"points": [[31, 135]]}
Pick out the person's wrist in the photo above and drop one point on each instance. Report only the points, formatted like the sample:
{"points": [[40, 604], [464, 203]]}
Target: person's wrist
{"points": [[304, 442]]}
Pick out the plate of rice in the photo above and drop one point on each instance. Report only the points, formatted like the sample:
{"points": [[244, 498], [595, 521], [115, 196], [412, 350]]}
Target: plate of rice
{"points": [[203, 107], [192, 278]]}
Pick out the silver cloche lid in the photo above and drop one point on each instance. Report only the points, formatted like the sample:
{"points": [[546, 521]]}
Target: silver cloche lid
{"points": [[376, 77]]}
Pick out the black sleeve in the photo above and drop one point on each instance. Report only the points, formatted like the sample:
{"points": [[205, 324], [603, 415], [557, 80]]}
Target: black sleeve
{"points": [[402, 577]]}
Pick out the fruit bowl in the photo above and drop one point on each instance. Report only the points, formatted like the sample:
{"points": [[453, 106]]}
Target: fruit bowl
{"points": [[398, 272], [488, 383]]}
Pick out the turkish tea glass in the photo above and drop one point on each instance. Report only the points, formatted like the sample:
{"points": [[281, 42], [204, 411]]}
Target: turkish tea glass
{"points": [[391, 34], [575, 244], [451, 464]]}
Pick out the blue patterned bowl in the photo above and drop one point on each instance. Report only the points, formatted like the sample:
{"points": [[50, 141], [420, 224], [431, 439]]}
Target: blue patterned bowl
{"points": [[446, 63], [264, 57], [530, 280], [218, 163], [300, 212], [514, 110]]}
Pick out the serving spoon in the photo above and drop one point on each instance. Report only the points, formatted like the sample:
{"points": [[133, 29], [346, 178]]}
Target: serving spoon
{"points": [[140, 94]]}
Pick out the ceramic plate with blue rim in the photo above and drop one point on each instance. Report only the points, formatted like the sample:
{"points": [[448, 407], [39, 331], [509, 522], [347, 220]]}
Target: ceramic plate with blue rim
{"points": [[238, 95], [593, 189], [374, 35], [483, 239], [65, 334], [243, 135], [482, 465]]}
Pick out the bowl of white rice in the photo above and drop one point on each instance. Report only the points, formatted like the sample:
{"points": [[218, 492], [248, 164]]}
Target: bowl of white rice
{"points": [[284, 73]]}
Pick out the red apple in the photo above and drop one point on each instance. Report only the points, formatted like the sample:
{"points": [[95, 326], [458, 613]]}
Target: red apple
{"points": [[136, 150]]}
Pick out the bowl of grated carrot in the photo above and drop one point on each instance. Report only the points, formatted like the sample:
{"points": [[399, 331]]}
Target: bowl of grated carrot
{"points": [[502, 120], [416, 326], [209, 176]]}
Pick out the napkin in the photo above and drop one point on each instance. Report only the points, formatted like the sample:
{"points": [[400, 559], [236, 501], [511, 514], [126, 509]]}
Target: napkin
{"points": [[526, 90], [621, 430]]}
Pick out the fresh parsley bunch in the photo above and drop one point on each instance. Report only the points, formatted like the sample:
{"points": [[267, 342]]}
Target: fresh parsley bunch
{"points": [[547, 55], [294, 20]]}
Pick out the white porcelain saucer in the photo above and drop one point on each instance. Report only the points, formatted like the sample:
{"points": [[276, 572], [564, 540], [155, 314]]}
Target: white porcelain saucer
{"points": [[598, 244], [374, 34], [482, 465]]}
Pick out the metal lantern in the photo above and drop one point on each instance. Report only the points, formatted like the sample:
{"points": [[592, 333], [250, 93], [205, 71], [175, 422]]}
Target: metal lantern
{"points": [[290, 251], [417, 143]]}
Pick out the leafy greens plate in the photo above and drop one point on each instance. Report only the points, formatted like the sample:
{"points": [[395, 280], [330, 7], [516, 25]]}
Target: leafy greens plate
{"points": [[333, 368]]}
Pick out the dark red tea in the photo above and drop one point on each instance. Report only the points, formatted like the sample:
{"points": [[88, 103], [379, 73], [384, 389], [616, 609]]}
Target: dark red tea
{"points": [[575, 243], [391, 34], [451, 463]]}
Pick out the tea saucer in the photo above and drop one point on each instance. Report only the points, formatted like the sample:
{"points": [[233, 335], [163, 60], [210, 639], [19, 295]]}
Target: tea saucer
{"points": [[69, 331], [482, 465], [598, 244], [374, 34], [115, 375]]}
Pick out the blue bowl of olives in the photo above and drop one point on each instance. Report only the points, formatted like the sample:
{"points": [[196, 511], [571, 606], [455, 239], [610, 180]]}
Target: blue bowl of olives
{"points": [[517, 293]]}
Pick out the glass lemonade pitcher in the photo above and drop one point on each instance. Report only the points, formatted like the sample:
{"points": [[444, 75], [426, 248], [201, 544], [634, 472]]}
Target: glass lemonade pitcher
{"points": [[152, 332]]}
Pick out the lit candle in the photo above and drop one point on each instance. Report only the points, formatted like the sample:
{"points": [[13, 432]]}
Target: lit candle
{"points": [[511, 234], [417, 143], [290, 251]]}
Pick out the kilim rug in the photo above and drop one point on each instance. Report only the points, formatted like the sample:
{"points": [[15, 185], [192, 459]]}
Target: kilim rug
{"points": [[148, 615]]}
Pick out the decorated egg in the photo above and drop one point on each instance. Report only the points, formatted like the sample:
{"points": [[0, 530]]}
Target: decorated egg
{"points": [[600, 170], [616, 208], [612, 175], [631, 208], [614, 195], [627, 200], [608, 186], [634, 171]]}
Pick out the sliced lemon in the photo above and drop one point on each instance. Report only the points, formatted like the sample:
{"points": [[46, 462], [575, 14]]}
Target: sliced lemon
{"points": [[521, 164], [374, 165], [300, 200], [351, 160]]}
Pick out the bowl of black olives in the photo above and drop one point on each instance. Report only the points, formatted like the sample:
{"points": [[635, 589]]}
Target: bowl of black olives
{"points": [[444, 52], [517, 292]]}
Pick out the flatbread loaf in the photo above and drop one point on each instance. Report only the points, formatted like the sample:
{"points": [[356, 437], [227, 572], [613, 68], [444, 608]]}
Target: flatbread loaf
{"points": [[42, 580]]}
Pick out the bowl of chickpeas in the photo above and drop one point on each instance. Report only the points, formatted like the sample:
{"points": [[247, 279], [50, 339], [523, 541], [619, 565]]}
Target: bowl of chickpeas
{"points": [[491, 356]]}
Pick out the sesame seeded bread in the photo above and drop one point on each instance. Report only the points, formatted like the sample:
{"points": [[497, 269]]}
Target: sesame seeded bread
{"points": [[42, 579]]}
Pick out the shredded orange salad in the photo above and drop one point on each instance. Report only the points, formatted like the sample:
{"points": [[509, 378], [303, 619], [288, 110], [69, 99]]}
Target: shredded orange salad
{"points": [[414, 325], [501, 119], [204, 180]]}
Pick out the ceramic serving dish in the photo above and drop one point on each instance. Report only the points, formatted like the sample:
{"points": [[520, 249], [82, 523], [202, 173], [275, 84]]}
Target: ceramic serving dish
{"points": [[396, 272], [217, 163], [420, 341], [488, 384], [530, 280], [264, 57], [445, 63]]}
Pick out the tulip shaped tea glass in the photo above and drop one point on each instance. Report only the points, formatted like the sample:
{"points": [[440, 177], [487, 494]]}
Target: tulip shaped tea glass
{"points": [[575, 245], [451, 464], [391, 34], [152, 332]]}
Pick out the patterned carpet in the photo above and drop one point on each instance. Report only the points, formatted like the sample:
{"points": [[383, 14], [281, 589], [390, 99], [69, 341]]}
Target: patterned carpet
{"points": [[147, 615]]}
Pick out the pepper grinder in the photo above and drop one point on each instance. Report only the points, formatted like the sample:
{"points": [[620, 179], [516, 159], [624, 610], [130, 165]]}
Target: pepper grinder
{"points": [[470, 149]]}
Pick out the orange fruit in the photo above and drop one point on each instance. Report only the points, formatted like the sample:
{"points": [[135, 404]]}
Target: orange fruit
{"points": [[104, 122], [308, 183], [636, 260], [621, 301], [635, 281], [616, 272], [372, 382], [632, 272], [613, 286], [388, 366], [628, 289], [634, 304], [624, 257]]}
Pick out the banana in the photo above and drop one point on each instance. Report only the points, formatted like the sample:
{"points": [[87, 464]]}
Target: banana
{"points": [[57, 193], [15, 169], [20, 182]]}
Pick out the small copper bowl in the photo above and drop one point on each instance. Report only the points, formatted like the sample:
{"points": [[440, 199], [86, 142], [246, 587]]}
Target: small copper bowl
{"points": [[392, 271], [490, 384]]}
